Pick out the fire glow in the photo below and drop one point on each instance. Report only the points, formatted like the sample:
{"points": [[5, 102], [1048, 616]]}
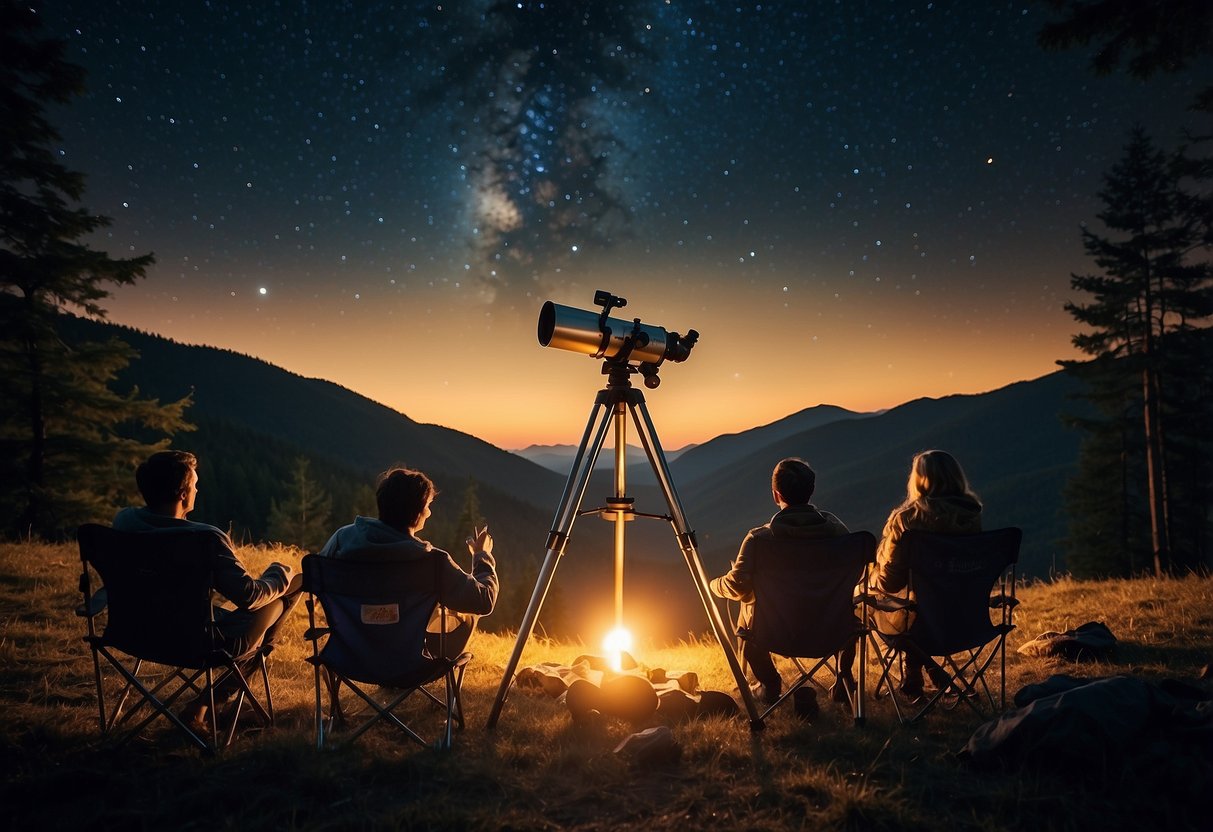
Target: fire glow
{"points": [[617, 642]]}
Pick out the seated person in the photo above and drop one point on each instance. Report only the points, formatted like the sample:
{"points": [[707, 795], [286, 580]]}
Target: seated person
{"points": [[403, 497], [938, 499], [168, 481], [798, 520]]}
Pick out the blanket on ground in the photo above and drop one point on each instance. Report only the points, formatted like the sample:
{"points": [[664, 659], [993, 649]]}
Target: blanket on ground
{"points": [[1100, 725], [1090, 641]]}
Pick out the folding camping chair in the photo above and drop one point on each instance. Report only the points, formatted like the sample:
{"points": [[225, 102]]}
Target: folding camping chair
{"points": [[955, 581], [376, 616], [159, 632], [805, 610]]}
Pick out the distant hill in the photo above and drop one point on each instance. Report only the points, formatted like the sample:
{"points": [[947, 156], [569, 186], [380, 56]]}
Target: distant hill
{"points": [[265, 416], [1010, 441], [559, 458], [725, 451]]}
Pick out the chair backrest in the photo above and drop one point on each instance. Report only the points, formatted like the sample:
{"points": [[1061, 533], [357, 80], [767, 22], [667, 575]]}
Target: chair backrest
{"points": [[377, 613], [158, 586], [952, 576], [803, 594]]}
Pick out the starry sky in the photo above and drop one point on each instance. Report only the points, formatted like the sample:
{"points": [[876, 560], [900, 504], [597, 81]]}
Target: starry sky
{"points": [[854, 203]]}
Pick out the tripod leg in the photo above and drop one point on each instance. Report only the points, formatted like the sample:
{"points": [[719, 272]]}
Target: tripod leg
{"points": [[686, 542], [562, 524]]}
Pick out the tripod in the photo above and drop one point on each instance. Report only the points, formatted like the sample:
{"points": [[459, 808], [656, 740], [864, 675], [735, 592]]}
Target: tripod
{"points": [[611, 407]]}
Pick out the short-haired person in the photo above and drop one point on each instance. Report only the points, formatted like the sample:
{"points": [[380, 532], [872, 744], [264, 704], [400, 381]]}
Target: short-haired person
{"points": [[938, 499], [168, 481], [403, 497], [797, 521]]}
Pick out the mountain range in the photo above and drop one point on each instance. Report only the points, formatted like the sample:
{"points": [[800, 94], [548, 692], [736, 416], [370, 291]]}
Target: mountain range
{"points": [[255, 419]]}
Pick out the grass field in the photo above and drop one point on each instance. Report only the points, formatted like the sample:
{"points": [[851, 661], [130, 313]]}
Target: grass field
{"points": [[538, 771]]}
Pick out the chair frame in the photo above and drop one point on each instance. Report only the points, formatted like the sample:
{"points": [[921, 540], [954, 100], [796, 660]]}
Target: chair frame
{"points": [[186, 671], [807, 667], [449, 671], [968, 682]]}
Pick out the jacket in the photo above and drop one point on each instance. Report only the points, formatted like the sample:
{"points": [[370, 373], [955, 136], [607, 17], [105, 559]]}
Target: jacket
{"points": [[955, 514], [232, 579], [370, 539], [787, 529]]}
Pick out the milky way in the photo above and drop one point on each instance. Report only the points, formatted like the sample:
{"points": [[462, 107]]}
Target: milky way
{"points": [[867, 201]]}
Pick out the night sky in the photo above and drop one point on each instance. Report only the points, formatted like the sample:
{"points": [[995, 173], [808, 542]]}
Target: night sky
{"points": [[854, 203]]}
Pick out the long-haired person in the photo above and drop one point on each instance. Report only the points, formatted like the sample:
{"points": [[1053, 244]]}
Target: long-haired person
{"points": [[938, 499]]}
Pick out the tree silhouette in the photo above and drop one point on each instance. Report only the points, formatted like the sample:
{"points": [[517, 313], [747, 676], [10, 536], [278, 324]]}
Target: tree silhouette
{"points": [[470, 516], [1149, 37], [1160, 36], [67, 442], [1146, 308], [304, 516]]}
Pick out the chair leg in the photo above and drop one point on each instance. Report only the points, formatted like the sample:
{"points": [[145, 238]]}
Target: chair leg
{"points": [[861, 681], [265, 678], [334, 685], [447, 740], [887, 656], [100, 692], [319, 715], [124, 695], [151, 696]]}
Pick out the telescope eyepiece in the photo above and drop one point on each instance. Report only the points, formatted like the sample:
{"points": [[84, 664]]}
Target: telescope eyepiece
{"points": [[679, 346]]}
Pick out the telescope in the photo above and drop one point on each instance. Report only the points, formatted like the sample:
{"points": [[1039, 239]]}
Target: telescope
{"points": [[616, 341], [626, 348]]}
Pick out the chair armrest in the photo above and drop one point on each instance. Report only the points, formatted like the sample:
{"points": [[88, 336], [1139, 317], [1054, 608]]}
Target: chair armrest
{"points": [[95, 604], [461, 660], [890, 603], [316, 633], [999, 601]]}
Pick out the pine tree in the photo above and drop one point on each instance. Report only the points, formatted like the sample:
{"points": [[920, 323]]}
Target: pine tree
{"points": [[1149, 37], [68, 442], [304, 516], [1149, 297], [1103, 499], [470, 517]]}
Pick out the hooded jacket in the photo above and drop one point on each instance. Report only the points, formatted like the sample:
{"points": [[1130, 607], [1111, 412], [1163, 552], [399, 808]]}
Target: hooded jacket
{"points": [[953, 514], [370, 539], [787, 530]]}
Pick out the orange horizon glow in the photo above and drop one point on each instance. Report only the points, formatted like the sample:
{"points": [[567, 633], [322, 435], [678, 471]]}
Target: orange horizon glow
{"points": [[488, 377]]}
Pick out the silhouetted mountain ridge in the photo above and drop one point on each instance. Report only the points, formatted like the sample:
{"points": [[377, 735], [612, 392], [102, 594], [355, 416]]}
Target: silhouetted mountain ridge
{"points": [[1010, 441], [710, 457], [317, 415]]}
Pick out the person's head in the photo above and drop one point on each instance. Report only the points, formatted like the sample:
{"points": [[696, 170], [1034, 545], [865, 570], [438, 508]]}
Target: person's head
{"points": [[793, 481], [403, 497], [936, 474], [168, 481]]}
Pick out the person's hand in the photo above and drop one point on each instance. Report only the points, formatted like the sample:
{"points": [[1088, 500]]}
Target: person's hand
{"points": [[481, 541]]}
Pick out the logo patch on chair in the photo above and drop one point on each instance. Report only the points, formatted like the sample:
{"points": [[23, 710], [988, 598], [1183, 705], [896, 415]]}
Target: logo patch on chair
{"points": [[380, 613]]}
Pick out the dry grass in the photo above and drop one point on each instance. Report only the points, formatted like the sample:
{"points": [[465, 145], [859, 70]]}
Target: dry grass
{"points": [[538, 770]]}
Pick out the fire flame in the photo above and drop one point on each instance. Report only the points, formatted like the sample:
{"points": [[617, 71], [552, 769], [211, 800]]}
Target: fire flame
{"points": [[615, 643]]}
